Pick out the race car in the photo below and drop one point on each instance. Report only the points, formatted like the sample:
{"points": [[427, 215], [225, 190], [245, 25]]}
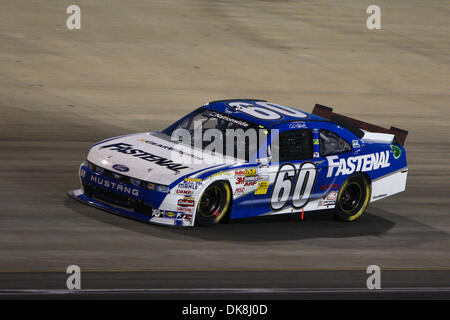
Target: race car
{"points": [[241, 158]]}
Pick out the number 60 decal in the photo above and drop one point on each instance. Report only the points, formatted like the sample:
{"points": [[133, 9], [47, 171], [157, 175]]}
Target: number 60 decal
{"points": [[266, 110], [283, 189]]}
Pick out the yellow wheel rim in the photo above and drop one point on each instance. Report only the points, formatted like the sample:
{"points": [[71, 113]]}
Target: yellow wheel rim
{"points": [[365, 200]]}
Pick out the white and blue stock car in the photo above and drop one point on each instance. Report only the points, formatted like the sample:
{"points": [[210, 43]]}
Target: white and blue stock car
{"points": [[324, 161]]}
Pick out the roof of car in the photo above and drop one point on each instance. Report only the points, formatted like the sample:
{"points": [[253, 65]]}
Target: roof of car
{"points": [[236, 107]]}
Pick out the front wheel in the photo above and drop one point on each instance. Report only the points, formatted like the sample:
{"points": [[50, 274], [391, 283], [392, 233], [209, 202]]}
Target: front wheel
{"points": [[213, 204], [353, 198]]}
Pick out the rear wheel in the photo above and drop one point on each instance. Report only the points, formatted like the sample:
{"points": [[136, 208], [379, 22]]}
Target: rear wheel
{"points": [[213, 204], [353, 198]]}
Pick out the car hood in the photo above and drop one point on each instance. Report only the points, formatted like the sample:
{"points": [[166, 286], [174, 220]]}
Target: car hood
{"points": [[151, 157]]}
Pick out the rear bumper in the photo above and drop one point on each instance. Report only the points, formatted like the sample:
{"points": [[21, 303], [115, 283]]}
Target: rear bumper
{"points": [[389, 184]]}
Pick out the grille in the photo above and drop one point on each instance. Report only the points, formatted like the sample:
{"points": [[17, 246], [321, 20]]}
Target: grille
{"points": [[116, 199], [119, 177]]}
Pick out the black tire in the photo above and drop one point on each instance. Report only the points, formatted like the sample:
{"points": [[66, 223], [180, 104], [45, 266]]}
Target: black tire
{"points": [[213, 204], [353, 198]]}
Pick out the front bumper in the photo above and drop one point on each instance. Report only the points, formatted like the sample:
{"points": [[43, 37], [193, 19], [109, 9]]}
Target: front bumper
{"points": [[114, 196]]}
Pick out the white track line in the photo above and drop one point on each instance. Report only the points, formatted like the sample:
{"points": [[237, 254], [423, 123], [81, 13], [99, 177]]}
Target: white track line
{"points": [[219, 290]]}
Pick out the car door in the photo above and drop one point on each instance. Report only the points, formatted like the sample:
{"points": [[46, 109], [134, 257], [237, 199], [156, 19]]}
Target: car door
{"points": [[293, 173]]}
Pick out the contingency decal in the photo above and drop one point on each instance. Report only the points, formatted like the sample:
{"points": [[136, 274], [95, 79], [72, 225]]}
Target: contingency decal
{"points": [[186, 207], [166, 214], [262, 187], [188, 186], [328, 200]]}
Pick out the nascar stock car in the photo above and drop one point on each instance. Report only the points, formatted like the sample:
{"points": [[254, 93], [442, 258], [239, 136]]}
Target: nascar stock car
{"points": [[299, 162]]}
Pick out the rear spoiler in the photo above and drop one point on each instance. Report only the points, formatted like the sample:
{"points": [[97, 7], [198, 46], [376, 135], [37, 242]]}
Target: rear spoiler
{"points": [[355, 125]]}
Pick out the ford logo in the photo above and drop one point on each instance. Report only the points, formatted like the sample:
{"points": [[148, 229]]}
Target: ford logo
{"points": [[120, 168]]}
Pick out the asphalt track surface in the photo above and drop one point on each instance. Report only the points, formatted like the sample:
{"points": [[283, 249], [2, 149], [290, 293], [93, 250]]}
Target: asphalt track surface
{"points": [[137, 66]]}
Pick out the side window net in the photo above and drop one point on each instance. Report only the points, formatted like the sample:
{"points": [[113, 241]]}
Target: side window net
{"points": [[331, 143]]}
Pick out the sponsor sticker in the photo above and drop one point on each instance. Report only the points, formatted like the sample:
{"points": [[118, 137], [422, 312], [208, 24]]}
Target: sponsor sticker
{"points": [[355, 143], [332, 195], [326, 203], [328, 200], [170, 214], [189, 183], [187, 217], [173, 215], [240, 180], [368, 162], [186, 202], [297, 125], [157, 212], [396, 151], [130, 150], [316, 141], [185, 209], [185, 192], [262, 187], [250, 172], [252, 178], [227, 118]]}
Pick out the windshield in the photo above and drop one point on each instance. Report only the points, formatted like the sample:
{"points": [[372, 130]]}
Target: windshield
{"points": [[227, 135]]}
